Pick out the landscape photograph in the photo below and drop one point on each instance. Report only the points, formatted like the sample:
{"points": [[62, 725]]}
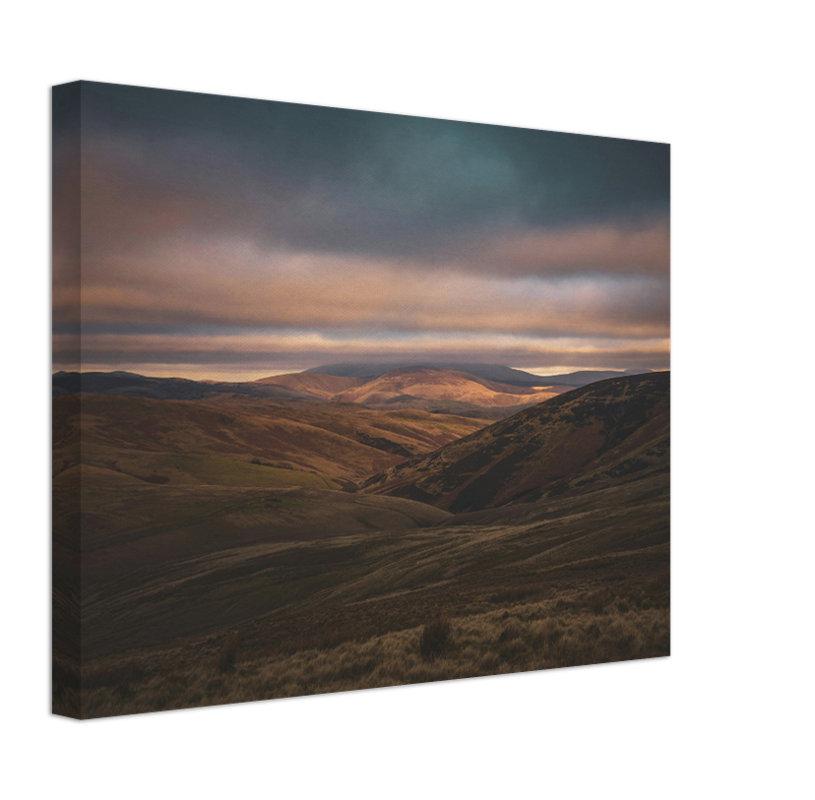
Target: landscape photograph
{"points": [[345, 400]]}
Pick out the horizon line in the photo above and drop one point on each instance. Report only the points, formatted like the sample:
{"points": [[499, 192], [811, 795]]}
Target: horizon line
{"points": [[171, 375]]}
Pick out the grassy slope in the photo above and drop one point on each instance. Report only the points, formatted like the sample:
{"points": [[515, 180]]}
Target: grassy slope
{"points": [[216, 441], [561, 582], [444, 385], [435, 390], [584, 439], [164, 561], [325, 387]]}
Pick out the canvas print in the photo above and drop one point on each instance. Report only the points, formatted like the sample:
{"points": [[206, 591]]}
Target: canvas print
{"points": [[346, 400]]}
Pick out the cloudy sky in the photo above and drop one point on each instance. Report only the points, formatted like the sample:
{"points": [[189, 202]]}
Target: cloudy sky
{"points": [[231, 238]]}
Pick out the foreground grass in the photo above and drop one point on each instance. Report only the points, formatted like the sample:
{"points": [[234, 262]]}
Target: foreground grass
{"points": [[232, 609], [568, 631]]}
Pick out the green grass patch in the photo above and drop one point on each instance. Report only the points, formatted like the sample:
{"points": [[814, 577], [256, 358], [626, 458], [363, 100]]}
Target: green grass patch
{"points": [[232, 472]]}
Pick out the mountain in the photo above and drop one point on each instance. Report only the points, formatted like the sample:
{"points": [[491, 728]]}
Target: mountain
{"points": [[490, 372], [429, 389], [600, 435], [468, 391], [439, 384], [436, 391]]}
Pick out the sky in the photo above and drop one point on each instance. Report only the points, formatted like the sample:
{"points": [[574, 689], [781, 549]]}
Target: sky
{"points": [[232, 239]]}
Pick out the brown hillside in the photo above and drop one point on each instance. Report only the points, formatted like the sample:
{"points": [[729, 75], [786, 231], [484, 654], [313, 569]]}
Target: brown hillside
{"points": [[441, 385], [437, 390], [606, 433], [242, 441], [325, 387]]}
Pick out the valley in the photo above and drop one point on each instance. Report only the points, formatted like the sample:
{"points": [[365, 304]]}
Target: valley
{"points": [[237, 547]]}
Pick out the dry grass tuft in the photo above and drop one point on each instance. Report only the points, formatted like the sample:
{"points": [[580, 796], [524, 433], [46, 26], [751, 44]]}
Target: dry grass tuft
{"points": [[598, 601], [226, 663], [435, 638], [530, 636], [512, 630]]}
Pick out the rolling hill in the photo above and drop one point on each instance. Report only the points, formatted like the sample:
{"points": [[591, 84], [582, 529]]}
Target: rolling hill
{"points": [[241, 441], [326, 387], [434, 389], [485, 391], [603, 434], [129, 384], [408, 385]]}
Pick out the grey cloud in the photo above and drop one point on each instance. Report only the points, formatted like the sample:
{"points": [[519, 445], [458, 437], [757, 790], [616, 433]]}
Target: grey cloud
{"points": [[354, 181]]}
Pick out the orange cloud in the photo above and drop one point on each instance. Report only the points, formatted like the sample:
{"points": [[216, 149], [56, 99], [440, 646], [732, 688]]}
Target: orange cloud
{"points": [[242, 286]]}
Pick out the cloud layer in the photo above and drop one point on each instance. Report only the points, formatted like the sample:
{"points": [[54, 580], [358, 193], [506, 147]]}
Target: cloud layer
{"points": [[270, 236]]}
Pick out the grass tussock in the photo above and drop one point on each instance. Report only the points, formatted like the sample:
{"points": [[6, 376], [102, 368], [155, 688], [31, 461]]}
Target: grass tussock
{"points": [[598, 601], [229, 652], [512, 630], [526, 636], [435, 638]]}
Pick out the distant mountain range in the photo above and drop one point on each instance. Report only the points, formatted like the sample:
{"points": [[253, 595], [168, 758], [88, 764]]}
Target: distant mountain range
{"points": [[490, 372], [473, 390]]}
